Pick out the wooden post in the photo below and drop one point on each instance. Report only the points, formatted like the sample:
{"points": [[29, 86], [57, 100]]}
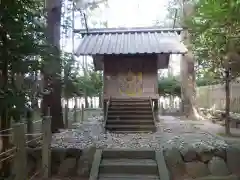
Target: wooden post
{"points": [[105, 108], [20, 159], [46, 145], [161, 109], [82, 113], [75, 113], [66, 110]]}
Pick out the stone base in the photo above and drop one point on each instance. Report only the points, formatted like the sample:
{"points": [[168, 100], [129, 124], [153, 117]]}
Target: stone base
{"points": [[193, 163], [69, 162]]}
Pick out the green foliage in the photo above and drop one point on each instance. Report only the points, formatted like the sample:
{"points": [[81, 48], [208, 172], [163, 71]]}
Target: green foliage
{"points": [[22, 44], [169, 86], [70, 80], [75, 83], [91, 82], [214, 29]]}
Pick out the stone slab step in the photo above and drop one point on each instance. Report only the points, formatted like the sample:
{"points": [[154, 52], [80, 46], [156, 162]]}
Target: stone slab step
{"points": [[130, 127], [135, 108], [230, 177], [128, 154], [130, 100], [130, 103], [131, 111], [131, 131], [130, 121], [128, 166], [127, 177], [130, 116]]}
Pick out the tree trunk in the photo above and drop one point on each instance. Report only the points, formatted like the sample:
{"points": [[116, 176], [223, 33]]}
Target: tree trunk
{"points": [[66, 110], [86, 101], [51, 79], [5, 120], [91, 102], [5, 124], [100, 101], [188, 79], [171, 99], [227, 106]]}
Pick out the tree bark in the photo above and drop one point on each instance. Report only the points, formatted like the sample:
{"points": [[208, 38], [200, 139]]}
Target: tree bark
{"points": [[227, 106], [86, 101], [188, 79], [5, 120], [52, 81], [100, 102]]}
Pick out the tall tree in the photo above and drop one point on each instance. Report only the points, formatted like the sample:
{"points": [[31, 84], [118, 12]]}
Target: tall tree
{"points": [[187, 65], [215, 28], [22, 45], [52, 67]]}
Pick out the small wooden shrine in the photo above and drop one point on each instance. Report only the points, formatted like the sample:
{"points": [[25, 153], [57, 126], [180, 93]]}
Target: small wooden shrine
{"points": [[130, 58]]}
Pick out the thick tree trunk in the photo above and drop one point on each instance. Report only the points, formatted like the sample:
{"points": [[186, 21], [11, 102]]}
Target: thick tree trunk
{"points": [[227, 106], [91, 102], [86, 101], [188, 83], [188, 79], [4, 117], [52, 81], [100, 101]]}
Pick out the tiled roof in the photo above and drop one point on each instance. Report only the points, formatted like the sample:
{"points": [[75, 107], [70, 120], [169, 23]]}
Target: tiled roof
{"points": [[130, 41]]}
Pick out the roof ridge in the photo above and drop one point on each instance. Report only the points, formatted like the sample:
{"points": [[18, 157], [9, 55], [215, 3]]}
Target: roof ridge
{"points": [[127, 30]]}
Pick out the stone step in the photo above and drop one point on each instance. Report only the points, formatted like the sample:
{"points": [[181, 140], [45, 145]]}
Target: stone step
{"points": [[129, 121], [130, 100], [210, 177], [130, 103], [132, 111], [128, 127], [133, 131], [128, 166], [127, 177], [130, 116], [129, 108], [128, 154]]}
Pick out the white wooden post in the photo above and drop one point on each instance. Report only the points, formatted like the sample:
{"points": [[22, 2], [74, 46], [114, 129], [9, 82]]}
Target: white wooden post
{"points": [[20, 160], [161, 108], [46, 145], [82, 113]]}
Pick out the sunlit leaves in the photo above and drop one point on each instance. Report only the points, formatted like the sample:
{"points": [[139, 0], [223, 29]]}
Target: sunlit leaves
{"points": [[214, 26]]}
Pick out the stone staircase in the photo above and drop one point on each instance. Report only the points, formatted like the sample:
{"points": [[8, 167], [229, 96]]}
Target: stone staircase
{"points": [[130, 115], [128, 165]]}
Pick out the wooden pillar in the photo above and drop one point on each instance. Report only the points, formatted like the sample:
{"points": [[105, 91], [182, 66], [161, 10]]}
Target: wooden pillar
{"points": [[155, 105], [46, 145], [82, 113], [105, 108], [20, 161]]}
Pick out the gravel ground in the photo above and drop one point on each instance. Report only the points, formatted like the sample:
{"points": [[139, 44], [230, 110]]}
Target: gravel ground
{"points": [[171, 131]]}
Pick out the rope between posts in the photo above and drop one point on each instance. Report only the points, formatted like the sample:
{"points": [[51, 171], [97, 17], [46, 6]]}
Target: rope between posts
{"points": [[4, 130], [37, 121], [5, 135], [6, 158], [8, 151], [35, 139], [34, 134], [37, 173]]}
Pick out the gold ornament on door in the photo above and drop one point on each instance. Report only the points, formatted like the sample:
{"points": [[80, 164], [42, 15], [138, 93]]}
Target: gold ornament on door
{"points": [[130, 84]]}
